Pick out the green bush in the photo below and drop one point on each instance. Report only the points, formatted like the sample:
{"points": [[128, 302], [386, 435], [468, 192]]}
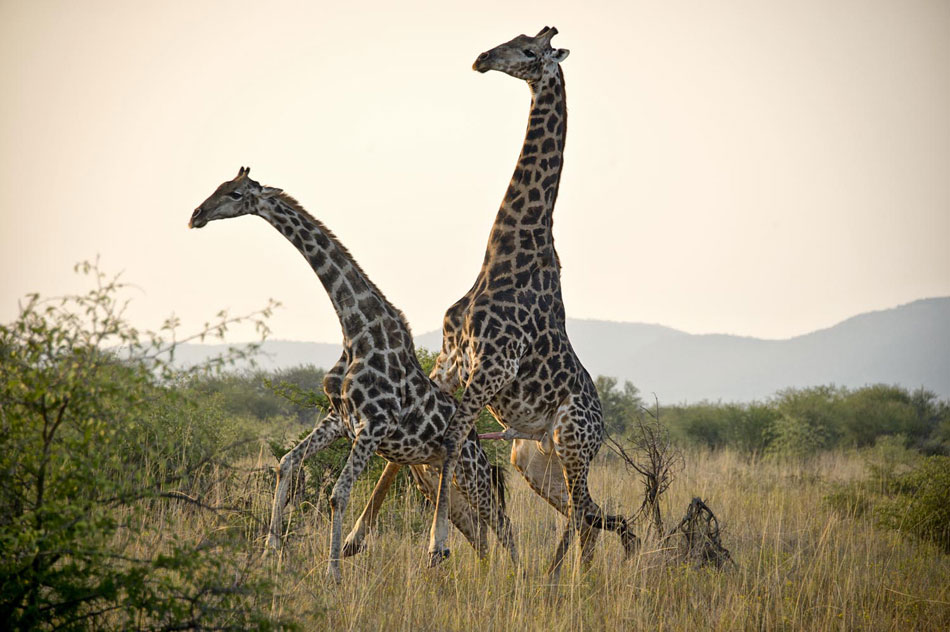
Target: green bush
{"points": [[797, 423], [807, 421], [903, 491], [258, 393], [919, 502], [94, 435]]}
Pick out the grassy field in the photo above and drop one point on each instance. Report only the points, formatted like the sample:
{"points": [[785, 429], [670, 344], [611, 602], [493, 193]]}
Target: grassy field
{"points": [[134, 497], [800, 565]]}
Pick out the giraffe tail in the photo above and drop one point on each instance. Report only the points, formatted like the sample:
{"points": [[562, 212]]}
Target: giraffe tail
{"points": [[499, 482]]}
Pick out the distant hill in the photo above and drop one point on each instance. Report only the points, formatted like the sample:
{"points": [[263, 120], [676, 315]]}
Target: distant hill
{"points": [[907, 345]]}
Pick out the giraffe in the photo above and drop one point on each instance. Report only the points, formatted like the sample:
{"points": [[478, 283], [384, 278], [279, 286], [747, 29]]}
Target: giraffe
{"points": [[505, 341], [379, 395]]}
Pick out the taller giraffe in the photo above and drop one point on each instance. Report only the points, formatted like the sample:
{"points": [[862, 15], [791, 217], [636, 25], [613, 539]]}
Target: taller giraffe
{"points": [[379, 396], [505, 340]]}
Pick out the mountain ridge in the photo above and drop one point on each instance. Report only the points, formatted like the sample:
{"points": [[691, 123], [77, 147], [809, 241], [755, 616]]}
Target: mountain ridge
{"points": [[907, 345]]}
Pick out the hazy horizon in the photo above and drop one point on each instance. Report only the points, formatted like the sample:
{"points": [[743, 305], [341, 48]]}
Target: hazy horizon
{"points": [[420, 333], [908, 346], [758, 169]]}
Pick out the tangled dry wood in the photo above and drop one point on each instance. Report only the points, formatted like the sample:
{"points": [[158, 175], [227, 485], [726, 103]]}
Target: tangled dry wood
{"points": [[656, 460], [701, 543]]}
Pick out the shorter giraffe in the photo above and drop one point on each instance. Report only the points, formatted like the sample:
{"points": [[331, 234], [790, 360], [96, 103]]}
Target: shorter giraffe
{"points": [[380, 397]]}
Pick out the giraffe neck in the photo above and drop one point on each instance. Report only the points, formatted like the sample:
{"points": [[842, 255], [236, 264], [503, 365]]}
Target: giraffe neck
{"points": [[523, 226], [356, 300]]}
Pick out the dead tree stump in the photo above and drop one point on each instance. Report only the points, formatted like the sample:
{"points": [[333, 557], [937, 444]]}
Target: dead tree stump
{"points": [[701, 543]]}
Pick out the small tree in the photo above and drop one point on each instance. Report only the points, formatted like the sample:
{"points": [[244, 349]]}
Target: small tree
{"points": [[653, 455], [621, 406], [808, 421]]}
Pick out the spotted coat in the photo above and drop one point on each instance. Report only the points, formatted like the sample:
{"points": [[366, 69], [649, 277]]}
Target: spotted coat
{"points": [[380, 398]]}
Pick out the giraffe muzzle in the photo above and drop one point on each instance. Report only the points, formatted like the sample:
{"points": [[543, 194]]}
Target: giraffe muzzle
{"points": [[196, 220], [481, 63]]}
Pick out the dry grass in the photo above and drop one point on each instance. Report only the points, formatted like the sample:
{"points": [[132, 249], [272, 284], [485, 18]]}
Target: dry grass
{"points": [[800, 564]]}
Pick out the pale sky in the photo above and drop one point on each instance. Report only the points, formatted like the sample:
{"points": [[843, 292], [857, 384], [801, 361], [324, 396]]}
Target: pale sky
{"points": [[752, 167]]}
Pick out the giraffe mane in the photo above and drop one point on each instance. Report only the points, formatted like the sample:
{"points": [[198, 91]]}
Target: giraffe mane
{"points": [[297, 207], [560, 72]]}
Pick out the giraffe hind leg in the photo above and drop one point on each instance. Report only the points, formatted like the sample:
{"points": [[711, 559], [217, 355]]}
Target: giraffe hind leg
{"points": [[354, 540], [544, 472], [426, 479], [589, 516], [538, 463], [461, 513], [484, 491], [487, 378]]}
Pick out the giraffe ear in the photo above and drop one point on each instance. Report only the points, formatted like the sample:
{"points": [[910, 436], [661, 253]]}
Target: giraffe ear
{"points": [[560, 55], [270, 191]]}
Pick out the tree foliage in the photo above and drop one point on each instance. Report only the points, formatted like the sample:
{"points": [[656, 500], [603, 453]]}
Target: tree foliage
{"points": [[94, 434], [795, 422]]}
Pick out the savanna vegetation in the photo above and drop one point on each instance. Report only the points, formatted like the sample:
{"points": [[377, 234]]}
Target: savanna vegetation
{"points": [[134, 494]]}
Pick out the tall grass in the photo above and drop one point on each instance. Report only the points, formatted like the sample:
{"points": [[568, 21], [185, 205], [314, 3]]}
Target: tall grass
{"points": [[800, 565]]}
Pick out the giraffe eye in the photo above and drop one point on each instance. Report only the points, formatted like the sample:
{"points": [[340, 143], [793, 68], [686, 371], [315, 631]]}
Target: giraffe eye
{"points": [[529, 53], [234, 195]]}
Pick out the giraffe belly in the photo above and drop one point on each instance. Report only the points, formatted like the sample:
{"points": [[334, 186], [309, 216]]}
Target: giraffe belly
{"points": [[407, 453], [415, 439], [530, 417], [530, 403]]}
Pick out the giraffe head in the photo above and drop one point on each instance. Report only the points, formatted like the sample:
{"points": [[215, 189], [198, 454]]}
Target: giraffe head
{"points": [[240, 196], [527, 58]]}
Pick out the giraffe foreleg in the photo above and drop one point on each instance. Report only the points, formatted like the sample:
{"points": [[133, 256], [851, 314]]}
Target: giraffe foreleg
{"points": [[327, 431], [362, 449]]}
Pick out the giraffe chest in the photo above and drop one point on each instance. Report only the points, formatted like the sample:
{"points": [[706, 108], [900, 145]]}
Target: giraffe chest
{"points": [[529, 403], [407, 428], [548, 374]]}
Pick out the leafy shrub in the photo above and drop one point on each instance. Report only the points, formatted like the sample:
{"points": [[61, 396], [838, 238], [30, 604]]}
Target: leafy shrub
{"points": [[95, 435], [807, 421], [258, 393], [920, 502], [797, 423], [904, 491]]}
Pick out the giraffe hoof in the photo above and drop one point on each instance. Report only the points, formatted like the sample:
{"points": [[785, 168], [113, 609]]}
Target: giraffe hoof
{"points": [[351, 548], [436, 557], [631, 544], [334, 576]]}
